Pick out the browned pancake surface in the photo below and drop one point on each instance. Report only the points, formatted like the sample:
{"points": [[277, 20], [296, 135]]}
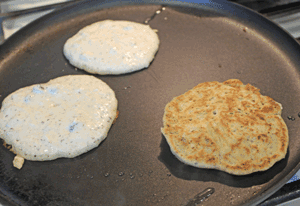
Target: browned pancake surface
{"points": [[227, 126]]}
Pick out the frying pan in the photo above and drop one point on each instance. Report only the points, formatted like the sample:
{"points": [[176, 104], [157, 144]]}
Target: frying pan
{"points": [[209, 41]]}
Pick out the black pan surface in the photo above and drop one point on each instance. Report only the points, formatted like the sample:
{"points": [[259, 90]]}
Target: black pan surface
{"points": [[212, 41]]}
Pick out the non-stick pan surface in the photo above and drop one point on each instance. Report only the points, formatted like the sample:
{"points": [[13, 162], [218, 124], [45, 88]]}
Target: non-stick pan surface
{"points": [[213, 41]]}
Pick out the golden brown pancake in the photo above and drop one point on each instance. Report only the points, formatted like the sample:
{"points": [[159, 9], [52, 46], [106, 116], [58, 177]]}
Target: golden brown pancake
{"points": [[227, 126]]}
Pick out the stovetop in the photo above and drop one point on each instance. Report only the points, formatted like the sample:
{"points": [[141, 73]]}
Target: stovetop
{"points": [[286, 13]]}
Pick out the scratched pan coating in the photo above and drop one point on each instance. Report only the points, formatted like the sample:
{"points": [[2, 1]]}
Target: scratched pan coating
{"points": [[215, 41]]}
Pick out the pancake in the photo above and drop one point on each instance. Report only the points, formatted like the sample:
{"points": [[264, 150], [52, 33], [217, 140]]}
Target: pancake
{"points": [[65, 117], [112, 47], [227, 126]]}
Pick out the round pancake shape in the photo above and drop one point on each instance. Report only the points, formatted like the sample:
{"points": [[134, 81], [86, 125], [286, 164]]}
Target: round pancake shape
{"points": [[226, 126], [64, 117], [112, 47]]}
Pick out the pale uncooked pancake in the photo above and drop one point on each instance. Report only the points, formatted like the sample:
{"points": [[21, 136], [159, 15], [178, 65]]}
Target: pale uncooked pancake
{"points": [[65, 117], [226, 126], [112, 47]]}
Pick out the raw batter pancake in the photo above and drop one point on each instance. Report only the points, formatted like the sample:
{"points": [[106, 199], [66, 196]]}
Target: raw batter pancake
{"points": [[65, 117], [112, 47]]}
